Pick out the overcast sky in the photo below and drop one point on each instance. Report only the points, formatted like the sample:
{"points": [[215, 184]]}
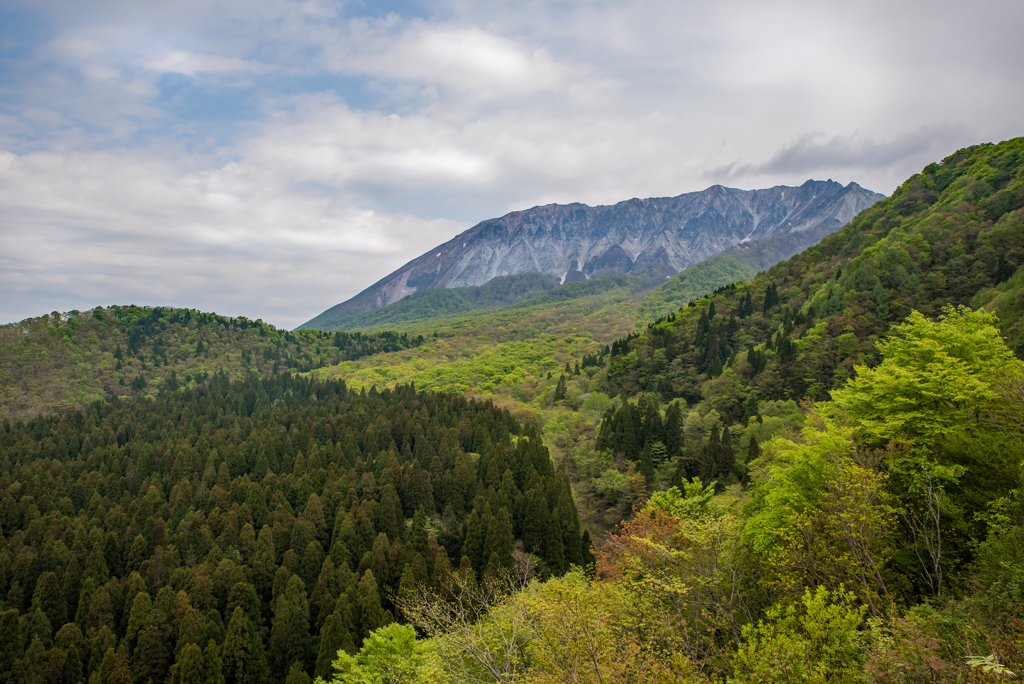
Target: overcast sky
{"points": [[271, 158]]}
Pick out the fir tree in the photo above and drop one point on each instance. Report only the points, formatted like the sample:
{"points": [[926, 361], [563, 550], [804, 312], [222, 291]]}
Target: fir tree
{"points": [[214, 665], [189, 668], [726, 461], [753, 449], [10, 639], [673, 431], [122, 673], [371, 614], [647, 467], [289, 635], [554, 551], [243, 655], [500, 540]]}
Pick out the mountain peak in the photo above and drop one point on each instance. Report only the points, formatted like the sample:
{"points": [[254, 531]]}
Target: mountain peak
{"points": [[575, 241]]}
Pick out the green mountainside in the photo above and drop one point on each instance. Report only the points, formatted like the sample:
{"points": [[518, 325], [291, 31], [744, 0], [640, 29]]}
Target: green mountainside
{"points": [[735, 265], [62, 361], [433, 307], [949, 235], [438, 302]]}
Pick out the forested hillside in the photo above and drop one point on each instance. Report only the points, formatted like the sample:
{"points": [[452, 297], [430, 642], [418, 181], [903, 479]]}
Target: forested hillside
{"points": [[947, 235], [62, 361], [241, 528]]}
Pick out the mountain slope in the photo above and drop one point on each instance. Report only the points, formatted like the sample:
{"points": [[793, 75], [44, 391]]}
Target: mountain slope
{"points": [[735, 265], [575, 241], [953, 234], [63, 361]]}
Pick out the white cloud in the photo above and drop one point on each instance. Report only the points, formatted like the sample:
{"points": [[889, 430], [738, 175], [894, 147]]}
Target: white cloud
{"points": [[308, 151], [190, 64]]}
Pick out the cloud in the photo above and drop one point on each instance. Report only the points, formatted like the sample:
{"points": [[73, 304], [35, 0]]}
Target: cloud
{"points": [[192, 65], [814, 152], [272, 157], [210, 239]]}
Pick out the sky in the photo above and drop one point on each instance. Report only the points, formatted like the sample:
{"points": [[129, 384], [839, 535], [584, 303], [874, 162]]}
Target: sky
{"points": [[272, 158]]}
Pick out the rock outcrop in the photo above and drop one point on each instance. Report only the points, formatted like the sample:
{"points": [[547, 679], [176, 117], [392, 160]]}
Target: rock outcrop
{"points": [[574, 241]]}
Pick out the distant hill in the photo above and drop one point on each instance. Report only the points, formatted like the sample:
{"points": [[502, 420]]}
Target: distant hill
{"points": [[576, 242], [64, 361]]}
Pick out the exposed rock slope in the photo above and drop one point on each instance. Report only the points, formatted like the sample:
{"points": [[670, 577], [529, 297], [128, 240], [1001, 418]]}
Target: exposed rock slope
{"points": [[574, 241]]}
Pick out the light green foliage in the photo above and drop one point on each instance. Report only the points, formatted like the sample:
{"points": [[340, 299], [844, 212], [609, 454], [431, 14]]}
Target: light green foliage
{"points": [[814, 640], [598, 402], [389, 655], [935, 377], [792, 478], [694, 501]]}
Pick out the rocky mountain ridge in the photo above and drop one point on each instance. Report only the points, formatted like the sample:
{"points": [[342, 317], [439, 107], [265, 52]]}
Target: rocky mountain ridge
{"points": [[573, 242]]}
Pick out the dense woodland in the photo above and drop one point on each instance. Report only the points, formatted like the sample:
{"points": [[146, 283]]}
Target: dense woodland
{"points": [[813, 476], [255, 525]]}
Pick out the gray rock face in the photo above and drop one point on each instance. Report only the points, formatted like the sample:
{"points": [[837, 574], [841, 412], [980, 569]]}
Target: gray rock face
{"points": [[574, 241]]}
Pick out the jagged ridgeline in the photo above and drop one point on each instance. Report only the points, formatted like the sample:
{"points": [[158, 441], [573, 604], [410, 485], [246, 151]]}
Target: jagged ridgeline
{"points": [[243, 527], [60, 361], [953, 233]]}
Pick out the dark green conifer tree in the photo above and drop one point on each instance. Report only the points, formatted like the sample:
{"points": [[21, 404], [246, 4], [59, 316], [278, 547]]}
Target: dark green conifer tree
{"points": [[500, 540], [122, 672], [726, 461], [554, 549], [560, 388], [673, 431], [535, 522], [243, 655], [371, 614], [289, 634], [753, 449], [152, 657], [710, 457], [647, 467], [189, 668], [214, 664], [10, 639]]}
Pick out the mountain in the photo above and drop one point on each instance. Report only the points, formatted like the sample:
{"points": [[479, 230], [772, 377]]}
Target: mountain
{"points": [[952, 234], [573, 242]]}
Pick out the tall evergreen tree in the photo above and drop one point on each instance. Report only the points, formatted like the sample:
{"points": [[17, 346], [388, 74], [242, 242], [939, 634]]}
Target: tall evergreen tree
{"points": [[189, 668], [213, 663], [152, 657], [554, 550], [336, 635], [726, 461], [647, 467], [371, 614], [243, 655], [122, 672], [673, 431], [289, 635]]}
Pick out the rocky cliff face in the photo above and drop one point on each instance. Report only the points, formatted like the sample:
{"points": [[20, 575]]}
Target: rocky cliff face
{"points": [[574, 241]]}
